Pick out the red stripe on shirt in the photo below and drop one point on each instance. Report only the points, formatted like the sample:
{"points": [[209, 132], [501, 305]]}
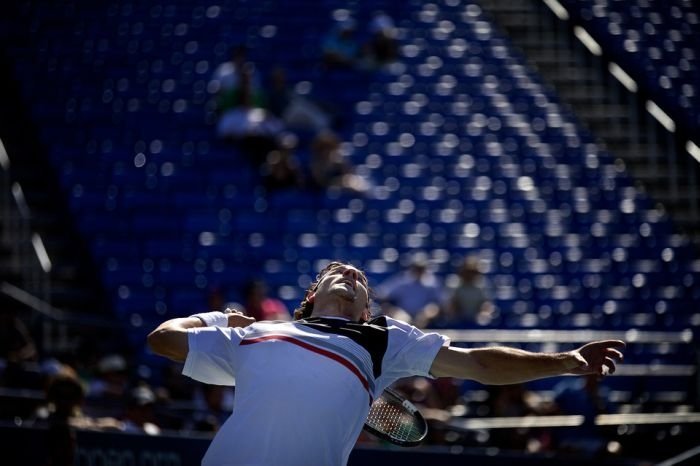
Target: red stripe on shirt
{"points": [[316, 350]]}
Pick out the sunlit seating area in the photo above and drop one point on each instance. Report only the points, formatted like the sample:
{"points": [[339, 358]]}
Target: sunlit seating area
{"points": [[467, 152]]}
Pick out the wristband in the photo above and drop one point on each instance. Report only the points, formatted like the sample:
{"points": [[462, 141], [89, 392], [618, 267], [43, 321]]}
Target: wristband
{"points": [[212, 319]]}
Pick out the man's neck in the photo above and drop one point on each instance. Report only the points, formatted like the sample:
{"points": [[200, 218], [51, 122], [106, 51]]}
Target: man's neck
{"points": [[325, 317], [333, 308]]}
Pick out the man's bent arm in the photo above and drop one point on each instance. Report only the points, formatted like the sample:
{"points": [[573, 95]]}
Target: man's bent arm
{"points": [[502, 365], [169, 339]]}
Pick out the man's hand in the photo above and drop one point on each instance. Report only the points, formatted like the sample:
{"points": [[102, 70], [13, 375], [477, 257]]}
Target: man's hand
{"points": [[598, 357], [237, 319]]}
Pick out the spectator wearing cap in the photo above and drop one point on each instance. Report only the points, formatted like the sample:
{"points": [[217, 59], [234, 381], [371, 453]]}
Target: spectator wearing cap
{"points": [[112, 379], [139, 416], [415, 294]]}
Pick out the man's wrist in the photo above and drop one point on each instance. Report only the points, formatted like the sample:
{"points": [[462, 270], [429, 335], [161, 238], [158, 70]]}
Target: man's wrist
{"points": [[212, 319], [572, 361]]}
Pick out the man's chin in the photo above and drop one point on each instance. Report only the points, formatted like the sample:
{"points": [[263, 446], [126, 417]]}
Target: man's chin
{"points": [[345, 294]]}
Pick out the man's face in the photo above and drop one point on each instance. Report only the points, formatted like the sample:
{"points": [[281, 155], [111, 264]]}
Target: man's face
{"points": [[347, 283]]}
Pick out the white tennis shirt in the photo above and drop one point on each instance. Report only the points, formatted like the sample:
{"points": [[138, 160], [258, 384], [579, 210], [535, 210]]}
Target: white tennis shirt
{"points": [[303, 388]]}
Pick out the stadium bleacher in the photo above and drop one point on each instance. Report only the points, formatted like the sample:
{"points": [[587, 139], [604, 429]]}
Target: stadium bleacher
{"points": [[468, 152]]}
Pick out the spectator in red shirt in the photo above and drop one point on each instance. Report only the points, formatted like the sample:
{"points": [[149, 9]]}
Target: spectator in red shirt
{"points": [[262, 307]]}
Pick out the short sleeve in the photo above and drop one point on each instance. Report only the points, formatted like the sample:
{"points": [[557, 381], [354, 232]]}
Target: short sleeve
{"points": [[410, 351], [212, 354]]}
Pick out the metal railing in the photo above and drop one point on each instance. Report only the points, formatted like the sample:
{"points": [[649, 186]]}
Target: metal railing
{"points": [[28, 262], [29, 257]]}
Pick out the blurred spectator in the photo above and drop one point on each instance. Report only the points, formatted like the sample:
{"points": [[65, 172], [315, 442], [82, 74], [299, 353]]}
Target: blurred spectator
{"points": [[204, 422], [240, 103], [382, 47], [583, 396], [509, 401], [226, 78], [435, 398], [297, 111], [17, 346], [65, 396], [414, 295], [339, 46], [515, 401], [469, 302], [177, 388], [281, 169], [216, 299], [214, 406], [139, 416], [262, 307], [16, 342], [112, 379], [330, 169]]}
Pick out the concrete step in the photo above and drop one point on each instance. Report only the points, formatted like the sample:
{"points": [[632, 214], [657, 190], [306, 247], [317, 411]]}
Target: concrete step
{"points": [[603, 111], [543, 55], [507, 6]]}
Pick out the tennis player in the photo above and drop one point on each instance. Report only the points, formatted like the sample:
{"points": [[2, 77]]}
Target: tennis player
{"points": [[304, 388]]}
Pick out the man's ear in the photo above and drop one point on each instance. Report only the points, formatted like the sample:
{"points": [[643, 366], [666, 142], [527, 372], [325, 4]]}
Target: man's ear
{"points": [[366, 315]]}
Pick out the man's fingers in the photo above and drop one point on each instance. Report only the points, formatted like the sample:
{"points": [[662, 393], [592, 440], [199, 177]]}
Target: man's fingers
{"points": [[615, 354], [609, 366], [601, 357]]}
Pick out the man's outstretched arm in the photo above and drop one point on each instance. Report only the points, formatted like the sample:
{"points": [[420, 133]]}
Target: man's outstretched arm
{"points": [[503, 365], [169, 339]]}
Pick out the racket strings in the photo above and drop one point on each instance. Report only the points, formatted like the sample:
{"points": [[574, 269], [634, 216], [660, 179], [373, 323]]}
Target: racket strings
{"points": [[394, 420]]}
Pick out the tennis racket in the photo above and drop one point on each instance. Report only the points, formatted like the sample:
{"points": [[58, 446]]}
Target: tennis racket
{"points": [[392, 417]]}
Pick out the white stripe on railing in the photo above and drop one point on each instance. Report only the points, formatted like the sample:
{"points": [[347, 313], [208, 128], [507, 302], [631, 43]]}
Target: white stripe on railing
{"points": [[566, 336], [575, 420]]}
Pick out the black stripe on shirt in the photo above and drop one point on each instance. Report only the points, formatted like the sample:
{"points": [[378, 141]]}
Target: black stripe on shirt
{"points": [[372, 336]]}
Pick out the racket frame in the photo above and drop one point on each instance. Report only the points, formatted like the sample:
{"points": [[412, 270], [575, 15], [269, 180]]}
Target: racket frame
{"points": [[411, 409]]}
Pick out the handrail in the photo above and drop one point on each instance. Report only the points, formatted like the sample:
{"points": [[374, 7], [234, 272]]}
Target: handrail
{"points": [[4, 159], [682, 458], [53, 313], [574, 420], [21, 201], [30, 255], [31, 301]]}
